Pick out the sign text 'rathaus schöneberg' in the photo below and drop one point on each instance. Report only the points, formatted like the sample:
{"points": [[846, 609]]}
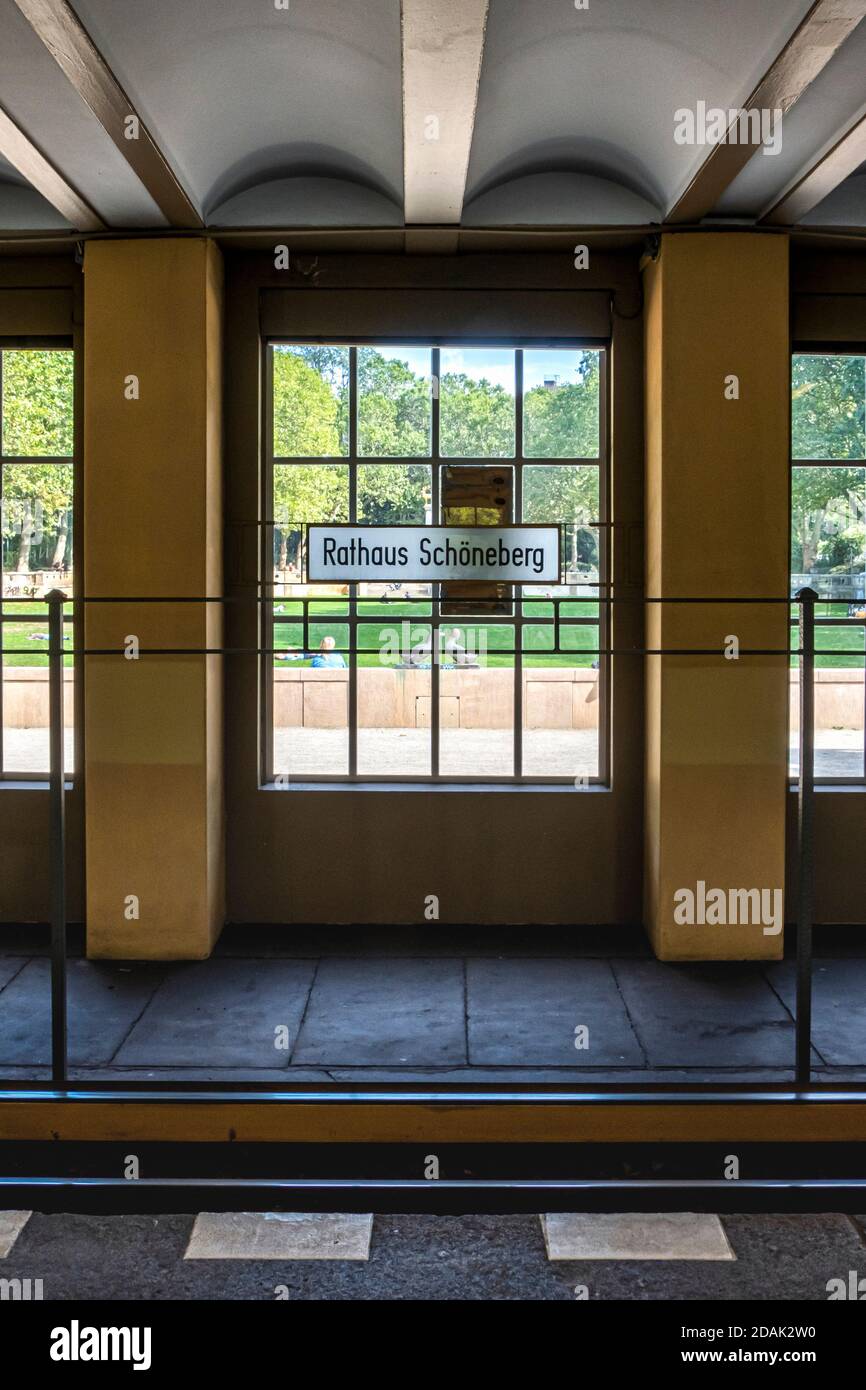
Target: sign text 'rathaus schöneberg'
{"points": [[515, 554]]}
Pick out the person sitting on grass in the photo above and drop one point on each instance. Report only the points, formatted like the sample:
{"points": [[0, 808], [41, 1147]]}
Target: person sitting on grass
{"points": [[324, 657]]}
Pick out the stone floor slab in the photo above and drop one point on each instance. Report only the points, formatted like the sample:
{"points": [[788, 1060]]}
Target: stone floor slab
{"points": [[677, 1235], [384, 1012], [249, 1235], [706, 1014], [222, 1013], [525, 1013], [838, 1006], [104, 1001]]}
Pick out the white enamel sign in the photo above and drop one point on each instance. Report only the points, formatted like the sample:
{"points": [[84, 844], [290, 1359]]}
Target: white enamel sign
{"points": [[513, 554]]}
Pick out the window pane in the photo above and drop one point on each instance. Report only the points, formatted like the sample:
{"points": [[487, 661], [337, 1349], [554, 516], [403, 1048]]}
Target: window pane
{"points": [[840, 701], [561, 688], [311, 402], [561, 404], [37, 403], [828, 532], [36, 528], [476, 700], [566, 495], [394, 685], [394, 402], [476, 403], [26, 703], [394, 494], [311, 697], [828, 407], [304, 493]]}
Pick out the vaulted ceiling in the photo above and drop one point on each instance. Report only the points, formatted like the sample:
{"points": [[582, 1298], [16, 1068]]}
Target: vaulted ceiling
{"points": [[280, 114]]}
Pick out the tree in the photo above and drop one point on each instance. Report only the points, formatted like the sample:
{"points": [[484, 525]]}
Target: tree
{"points": [[562, 421], [568, 494], [828, 508], [37, 421], [828, 414], [476, 418]]}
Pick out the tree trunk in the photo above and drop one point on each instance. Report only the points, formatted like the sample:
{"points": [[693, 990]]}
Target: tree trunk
{"points": [[62, 536], [26, 540]]}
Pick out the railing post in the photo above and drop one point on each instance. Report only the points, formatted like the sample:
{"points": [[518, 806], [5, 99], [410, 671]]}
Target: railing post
{"points": [[57, 840], [806, 789]]}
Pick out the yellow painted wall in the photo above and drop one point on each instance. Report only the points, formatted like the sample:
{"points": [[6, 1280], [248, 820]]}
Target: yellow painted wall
{"points": [[153, 527], [717, 526]]}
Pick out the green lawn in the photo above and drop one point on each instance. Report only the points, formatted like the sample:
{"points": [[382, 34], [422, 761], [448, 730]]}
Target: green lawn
{"points": [[830, 640], [537, 640], [22, 641]]}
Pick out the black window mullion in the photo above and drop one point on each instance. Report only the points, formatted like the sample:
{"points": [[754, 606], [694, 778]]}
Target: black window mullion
{"points": [[517, 519], [353, 588], [435, 592]]}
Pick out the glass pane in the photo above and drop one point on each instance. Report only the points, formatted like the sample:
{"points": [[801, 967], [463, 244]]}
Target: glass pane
{"points": [[828, 407], [476, 700], [26, 702], [567, 495], [311, 698], [561, 404], [828, 532], [394, 402], [394, 494], [394, 685], [304, 493], [37, 403], [36, 528], [311, 402], [476, 403], [840, 697]]}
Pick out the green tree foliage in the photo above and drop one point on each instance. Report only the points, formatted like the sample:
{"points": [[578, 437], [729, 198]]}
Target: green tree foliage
{"points": [[828, 421], [393, 408], [828, 407], [562, 421], [37, 422], [476, 418], [828, 519]]}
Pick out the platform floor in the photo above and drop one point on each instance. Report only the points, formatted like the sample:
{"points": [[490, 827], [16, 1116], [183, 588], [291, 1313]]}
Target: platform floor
{"points": [[365, 1004]]}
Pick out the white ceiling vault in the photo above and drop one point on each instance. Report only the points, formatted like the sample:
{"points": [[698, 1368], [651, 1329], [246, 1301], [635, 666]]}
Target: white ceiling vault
{"points": [[410, 114]]}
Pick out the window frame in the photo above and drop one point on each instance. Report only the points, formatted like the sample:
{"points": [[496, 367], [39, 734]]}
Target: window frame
{"points": [[64, 343], [822, 349], [518, 620]]}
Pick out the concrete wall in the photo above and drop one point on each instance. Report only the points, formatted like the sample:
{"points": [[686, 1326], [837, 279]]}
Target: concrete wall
{"points": [[557, 698]]}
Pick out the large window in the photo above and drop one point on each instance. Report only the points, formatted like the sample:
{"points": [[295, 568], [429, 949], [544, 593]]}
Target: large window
{"points": [[379, 681], [828, 551], [36, 484]]}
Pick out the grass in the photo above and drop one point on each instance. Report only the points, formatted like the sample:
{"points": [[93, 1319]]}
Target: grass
{"points": [[537, 640], [20, 647]]}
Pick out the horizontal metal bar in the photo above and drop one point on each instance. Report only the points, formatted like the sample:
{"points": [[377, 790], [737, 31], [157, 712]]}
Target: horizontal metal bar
{"points": [[567, 651], [713, 600]]}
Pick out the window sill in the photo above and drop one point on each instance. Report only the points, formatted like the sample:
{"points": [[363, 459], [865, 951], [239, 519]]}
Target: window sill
{"points": [[438, 787], [31, 784]]}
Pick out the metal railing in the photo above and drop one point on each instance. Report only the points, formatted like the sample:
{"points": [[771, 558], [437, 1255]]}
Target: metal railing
{"points": [[805, 599]]}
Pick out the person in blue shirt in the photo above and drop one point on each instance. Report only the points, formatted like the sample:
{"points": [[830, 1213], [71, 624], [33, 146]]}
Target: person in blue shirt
{"points": [[324, 657]]}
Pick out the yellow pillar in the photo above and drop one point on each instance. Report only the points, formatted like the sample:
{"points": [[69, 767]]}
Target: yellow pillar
{"points": [[717, 503], [153, 528]]}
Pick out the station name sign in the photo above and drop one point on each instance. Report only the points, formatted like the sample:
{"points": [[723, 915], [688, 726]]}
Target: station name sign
{"points": [[509, 554]]}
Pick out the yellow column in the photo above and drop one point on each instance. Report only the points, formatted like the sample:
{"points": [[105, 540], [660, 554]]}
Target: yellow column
{"points": [[153, 527], [717, 429]]}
